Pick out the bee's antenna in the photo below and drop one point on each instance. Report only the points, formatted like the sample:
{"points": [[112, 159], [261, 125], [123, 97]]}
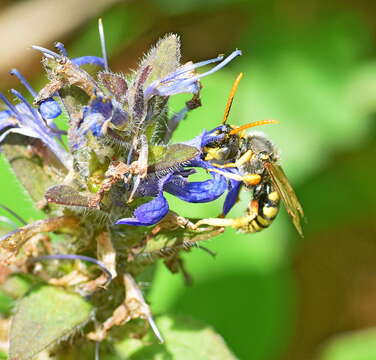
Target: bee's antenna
{"points": [[103, 43], [231, 97], [253, 124]]}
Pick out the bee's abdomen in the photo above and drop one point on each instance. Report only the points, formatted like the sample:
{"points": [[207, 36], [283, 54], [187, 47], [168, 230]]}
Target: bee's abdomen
{"points": [[267, 200]]}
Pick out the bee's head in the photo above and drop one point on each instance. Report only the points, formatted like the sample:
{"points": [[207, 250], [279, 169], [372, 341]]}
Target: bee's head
{"points": [[220, 144]]}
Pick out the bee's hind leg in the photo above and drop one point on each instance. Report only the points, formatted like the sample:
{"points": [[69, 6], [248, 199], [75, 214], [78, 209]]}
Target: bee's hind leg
{"points": [[240, 223], [236, 223]]}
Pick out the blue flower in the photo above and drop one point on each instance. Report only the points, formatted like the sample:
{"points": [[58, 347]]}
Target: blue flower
{"points": [[38, 122], [177, 184], [184, 79], [27, 120], [124, 108]]}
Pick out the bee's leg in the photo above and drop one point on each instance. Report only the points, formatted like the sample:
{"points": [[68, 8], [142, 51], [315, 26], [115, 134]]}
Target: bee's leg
{"points": [[241, 223], [172, 221], [220, 222], [225, 166], [246, 157], [248, 179], [242, 160], [237, 223]]}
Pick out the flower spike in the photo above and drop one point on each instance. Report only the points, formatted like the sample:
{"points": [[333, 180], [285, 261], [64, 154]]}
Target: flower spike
{"points": [[184, 79]]}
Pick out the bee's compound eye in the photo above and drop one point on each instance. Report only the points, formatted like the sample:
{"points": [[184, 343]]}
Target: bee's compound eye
{"points": [[224, 152]]}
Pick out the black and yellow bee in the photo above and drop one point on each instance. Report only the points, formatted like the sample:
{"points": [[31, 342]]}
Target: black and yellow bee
{"points": [[255, 162]]}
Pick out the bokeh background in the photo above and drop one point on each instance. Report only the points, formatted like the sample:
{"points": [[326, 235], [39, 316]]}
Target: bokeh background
{"points": [[312, 66]]}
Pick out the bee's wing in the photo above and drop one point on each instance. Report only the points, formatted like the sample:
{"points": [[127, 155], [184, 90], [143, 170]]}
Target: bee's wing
{"points": [[287, 194]]}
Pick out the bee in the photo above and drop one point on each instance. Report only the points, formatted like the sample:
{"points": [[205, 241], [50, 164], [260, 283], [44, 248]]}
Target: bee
{"points": [[250, 161]]}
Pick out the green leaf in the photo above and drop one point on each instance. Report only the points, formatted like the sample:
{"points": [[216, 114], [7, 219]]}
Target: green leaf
{"points": [[43, 318], [166, 157], [185, 339], [16, 286], [5, 303], [28, 169], [357, 345]]}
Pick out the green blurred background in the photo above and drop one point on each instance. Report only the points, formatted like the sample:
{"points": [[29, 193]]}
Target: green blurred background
{"points": [[312, 66]]}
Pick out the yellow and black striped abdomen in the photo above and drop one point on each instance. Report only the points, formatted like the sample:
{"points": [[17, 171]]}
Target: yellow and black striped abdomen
{"points": [[267, 201]]}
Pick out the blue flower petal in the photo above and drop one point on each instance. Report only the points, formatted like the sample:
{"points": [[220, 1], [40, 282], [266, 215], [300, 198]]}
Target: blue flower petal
{"points": [[184, 80], [30, 123], [22, 131], [5, 121], [232, 195], [84, 60], [198, 192], [49, 109], [148, 214], [153, 211]]}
